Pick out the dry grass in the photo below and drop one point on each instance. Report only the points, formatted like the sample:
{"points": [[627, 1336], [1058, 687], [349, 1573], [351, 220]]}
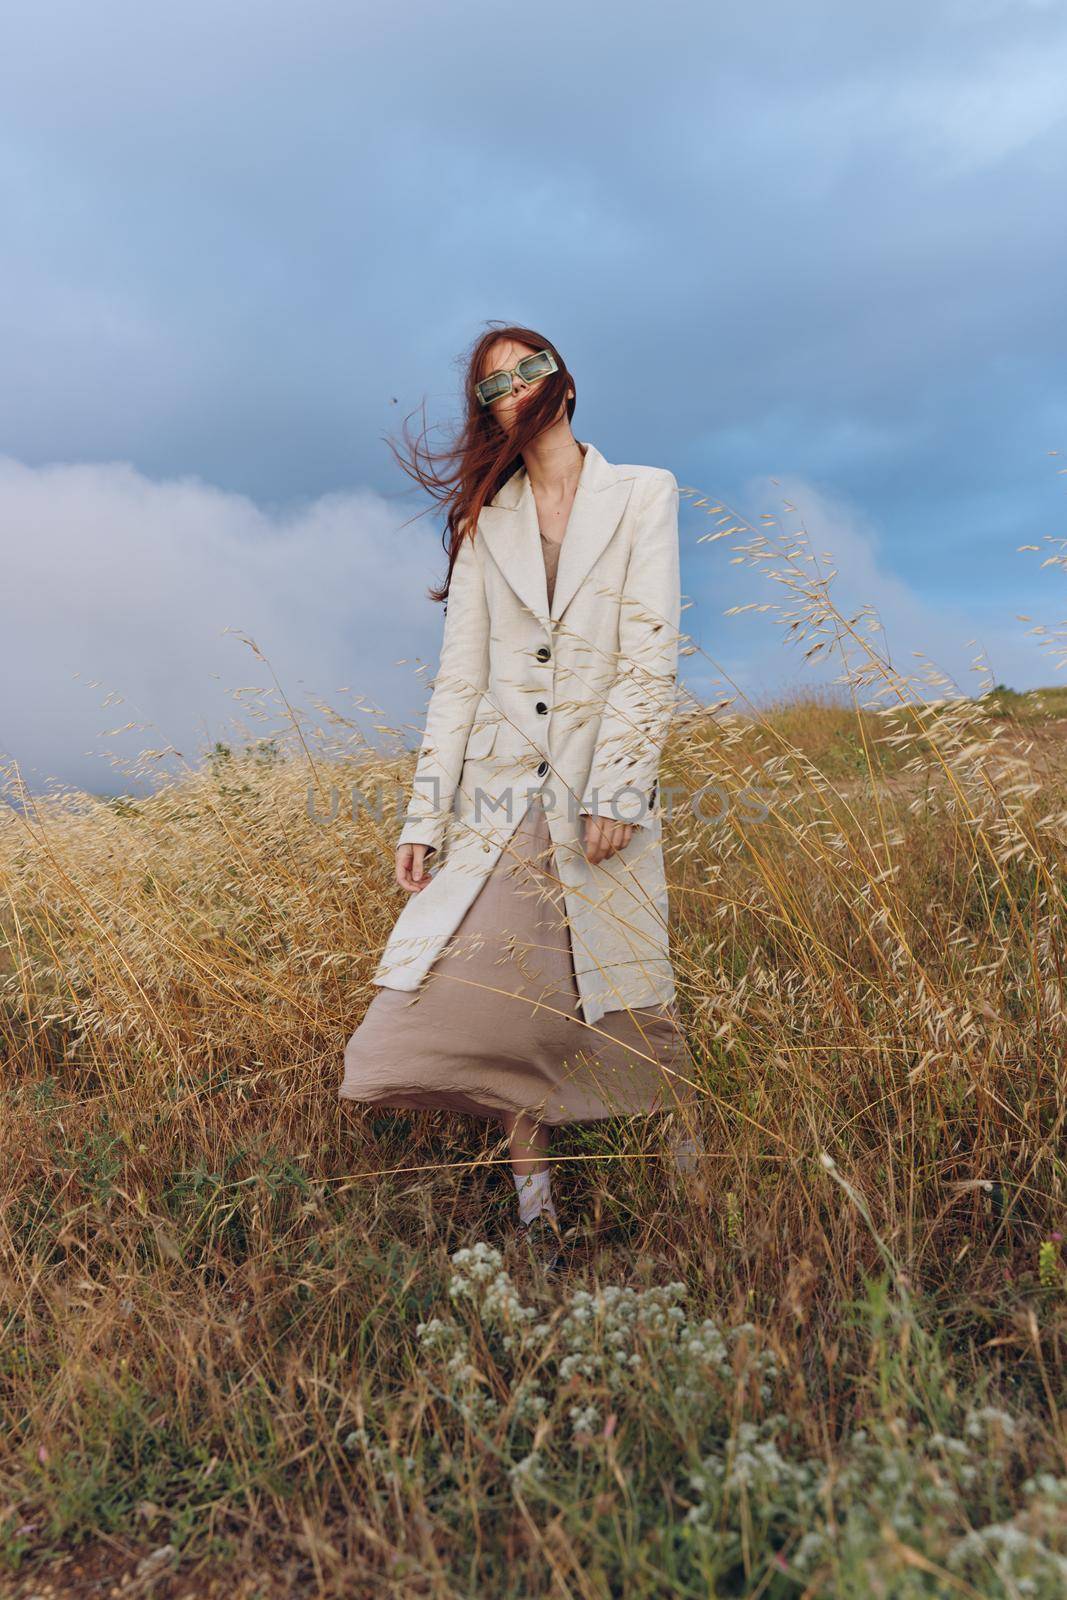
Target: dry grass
{"points": [[213, 1275]]}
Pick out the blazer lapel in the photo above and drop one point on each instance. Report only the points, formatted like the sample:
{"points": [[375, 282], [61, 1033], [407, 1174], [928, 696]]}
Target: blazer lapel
{"points": [[512, 536]]}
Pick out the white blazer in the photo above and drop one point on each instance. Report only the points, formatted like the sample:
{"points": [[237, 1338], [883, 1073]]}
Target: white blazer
{"points": [[572, 700]]}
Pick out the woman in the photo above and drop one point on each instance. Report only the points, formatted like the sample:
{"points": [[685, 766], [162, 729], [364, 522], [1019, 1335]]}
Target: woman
{"points": [[528, 978]]}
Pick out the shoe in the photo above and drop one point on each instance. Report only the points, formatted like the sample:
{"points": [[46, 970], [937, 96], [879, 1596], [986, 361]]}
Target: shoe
{"points": [[544, 1241]]}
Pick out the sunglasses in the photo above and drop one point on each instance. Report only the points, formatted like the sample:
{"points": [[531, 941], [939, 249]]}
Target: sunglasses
{"points": [[529, 369]]}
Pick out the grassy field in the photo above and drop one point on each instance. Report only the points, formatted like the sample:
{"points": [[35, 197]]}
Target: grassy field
{"points": [[257, 1343]]}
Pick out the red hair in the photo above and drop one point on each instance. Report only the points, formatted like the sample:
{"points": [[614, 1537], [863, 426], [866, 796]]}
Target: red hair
{"points": [[467, 474]]}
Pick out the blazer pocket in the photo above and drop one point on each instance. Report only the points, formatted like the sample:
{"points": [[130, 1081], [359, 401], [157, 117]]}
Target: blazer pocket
{"points": [[480, 741]]}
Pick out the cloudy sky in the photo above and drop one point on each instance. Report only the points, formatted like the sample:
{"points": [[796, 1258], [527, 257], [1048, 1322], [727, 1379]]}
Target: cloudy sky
{"points": [[809, 256]]}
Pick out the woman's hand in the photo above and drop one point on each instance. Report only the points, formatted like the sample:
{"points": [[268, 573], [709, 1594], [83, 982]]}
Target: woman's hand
{"points": [[605, 837], [411, 873]]}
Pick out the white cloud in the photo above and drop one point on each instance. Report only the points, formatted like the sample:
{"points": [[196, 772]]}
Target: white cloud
{"points": [[121, 589], [119, 585]]}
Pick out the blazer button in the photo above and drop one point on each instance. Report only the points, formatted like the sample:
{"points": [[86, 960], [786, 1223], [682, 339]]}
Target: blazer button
{"points": [[544, 653], [487, 847], [542, 769], [541, 707]]}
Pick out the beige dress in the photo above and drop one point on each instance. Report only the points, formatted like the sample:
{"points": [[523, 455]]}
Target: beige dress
{"points": [[497, 1024]]}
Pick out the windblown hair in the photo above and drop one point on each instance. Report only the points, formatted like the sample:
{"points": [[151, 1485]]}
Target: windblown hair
{"points": [[467, 474]]}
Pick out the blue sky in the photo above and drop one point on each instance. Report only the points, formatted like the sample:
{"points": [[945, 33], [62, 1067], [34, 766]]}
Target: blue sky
{"points": [[801, 253]]}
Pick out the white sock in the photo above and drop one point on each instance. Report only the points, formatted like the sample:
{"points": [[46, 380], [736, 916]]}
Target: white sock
{"points": [[685, 1152], [534, 1192]]}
